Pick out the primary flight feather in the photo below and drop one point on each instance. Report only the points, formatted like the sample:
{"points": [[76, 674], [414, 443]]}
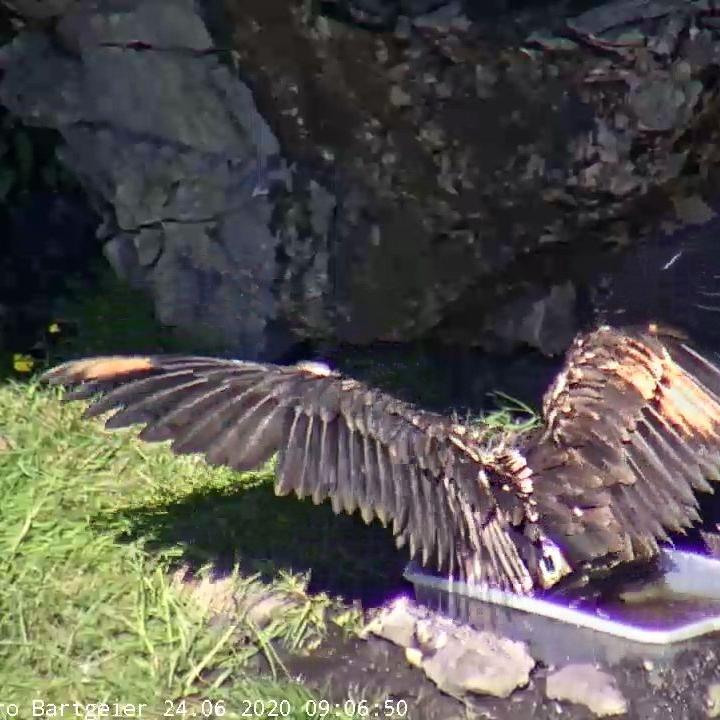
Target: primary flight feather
{"points": [[630, 434]]}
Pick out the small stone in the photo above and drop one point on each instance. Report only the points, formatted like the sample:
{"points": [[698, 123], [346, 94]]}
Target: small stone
{"points": [[664, 42], [414, 656], [394, 623], [430, 637], [681, 71], [262, 611], [713, 700], [553, 43], [398, 97], [480, 662], [219, 596], [445, 18], [485, 80], [443, 90], [616, 14], [397, 72], [693, 210], [587, 685]]}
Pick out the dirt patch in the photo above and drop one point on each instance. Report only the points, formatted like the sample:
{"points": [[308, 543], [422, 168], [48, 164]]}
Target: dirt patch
{"points": [[677, 691]]}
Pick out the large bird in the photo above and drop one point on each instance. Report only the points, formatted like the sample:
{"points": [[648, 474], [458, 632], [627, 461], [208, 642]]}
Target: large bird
{"points": [[630, 433]]}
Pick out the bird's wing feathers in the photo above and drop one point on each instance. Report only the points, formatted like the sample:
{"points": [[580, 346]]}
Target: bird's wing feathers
{"points": [[336, 438], [632, 431]]}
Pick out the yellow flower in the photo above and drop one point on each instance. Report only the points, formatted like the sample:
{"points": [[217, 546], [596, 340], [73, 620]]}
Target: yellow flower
{"points": [[54, 328], [23, 363]]}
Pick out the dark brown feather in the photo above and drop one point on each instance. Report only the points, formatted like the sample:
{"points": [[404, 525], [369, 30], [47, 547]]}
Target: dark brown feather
{"points": [[336, 439], [631, 432], [627, 411]]}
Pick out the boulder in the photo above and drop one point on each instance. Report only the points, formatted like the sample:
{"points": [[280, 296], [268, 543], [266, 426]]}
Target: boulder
{"points": [[282, 171]]}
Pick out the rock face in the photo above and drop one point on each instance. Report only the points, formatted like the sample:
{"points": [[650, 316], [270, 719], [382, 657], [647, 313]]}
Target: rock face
{"points": [[451, 177], [173, 148]]}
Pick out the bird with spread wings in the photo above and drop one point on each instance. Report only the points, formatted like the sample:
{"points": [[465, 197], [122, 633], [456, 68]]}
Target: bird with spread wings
{"points": [[630, 434]]}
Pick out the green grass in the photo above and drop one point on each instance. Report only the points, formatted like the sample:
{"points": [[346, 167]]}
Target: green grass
{"points": [[87, 612], [132, 575], [97, 530]]}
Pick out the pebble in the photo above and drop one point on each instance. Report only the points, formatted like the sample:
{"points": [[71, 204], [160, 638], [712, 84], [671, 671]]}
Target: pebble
{"points": [[713, 700], [585, 684], [398, 97]]}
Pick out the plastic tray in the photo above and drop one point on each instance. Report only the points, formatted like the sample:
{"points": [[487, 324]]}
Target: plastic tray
{"points": [[681, 604]]}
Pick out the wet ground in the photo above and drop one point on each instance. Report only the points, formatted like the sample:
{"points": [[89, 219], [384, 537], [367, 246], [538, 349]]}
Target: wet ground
{"points": [[657, 685], [676, 690]]}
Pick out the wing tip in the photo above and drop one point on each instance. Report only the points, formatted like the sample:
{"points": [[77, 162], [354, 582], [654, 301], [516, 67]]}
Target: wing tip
{"points": [[97, 369], [316, 368]]}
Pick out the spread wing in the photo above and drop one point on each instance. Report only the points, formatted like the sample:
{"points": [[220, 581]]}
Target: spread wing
{"points": [[336, 438], [632, 432]]}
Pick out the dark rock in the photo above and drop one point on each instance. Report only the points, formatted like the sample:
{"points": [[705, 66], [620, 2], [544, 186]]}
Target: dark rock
{"points": [[42, 9], [446, 182], [372, 12], [47, 237], [446, 18], [664, 103], [180, 176], [548, 322], [620, 12]]}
